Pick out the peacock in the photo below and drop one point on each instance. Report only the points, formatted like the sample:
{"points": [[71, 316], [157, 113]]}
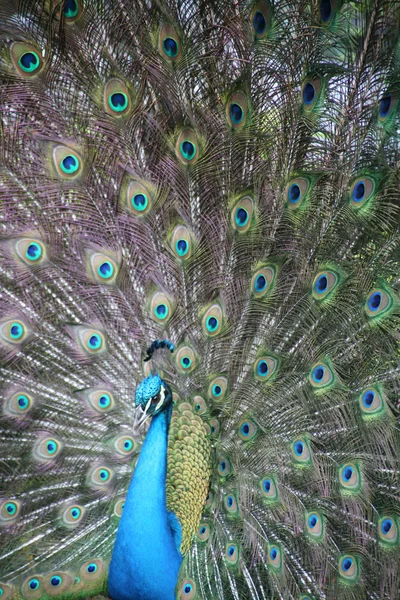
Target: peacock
{"points": [[199, 299]]}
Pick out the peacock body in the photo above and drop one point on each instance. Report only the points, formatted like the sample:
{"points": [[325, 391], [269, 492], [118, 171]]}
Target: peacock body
{"points": [[199, 299]]}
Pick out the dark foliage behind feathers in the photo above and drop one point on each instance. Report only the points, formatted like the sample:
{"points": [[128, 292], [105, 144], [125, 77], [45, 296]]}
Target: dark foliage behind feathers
{"points": [[268, 156]]}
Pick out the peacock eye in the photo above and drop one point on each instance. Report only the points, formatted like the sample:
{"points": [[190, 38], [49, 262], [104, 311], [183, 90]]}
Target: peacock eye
{"points": [[155, 399]]}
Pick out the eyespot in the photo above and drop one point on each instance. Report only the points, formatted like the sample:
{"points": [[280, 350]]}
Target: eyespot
{"points": [[203, 532], [217, 388], [67, 162], [388, 106], [212, 320], [139, 198], [388, 531], [187, 146], [236, 110], [301, 451], [378, 303], [102, 268], [92, 570], [361, 192], [181, 242], [214, 427], [56, 583], [101, 400], [33, 587], [262, 281], [125, 445], [310, 93], [327, 9], [31, 252], [185, 360], [119, 507], [315, 526], [274, 557], [265, 367], [160, 308], [224, 467], [7, 592], [209, 499], [26, 58], [231, 504], [324, 284], [242, 214], [9, 511], [73, 515], [100, 477], [91, 340], [269, 488], [348, 567], [72, 10], [350, 478], [19, 404], [117, 100], [47, 449], [321, 376], [296, 192], [199, 405], [187, 590], [13, 331], [261, 19], [247, 430], [231, 554], [371, 402], [169, 44]]}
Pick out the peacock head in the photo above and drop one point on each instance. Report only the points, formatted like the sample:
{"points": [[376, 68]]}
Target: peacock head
{"points": [[153, 395]]}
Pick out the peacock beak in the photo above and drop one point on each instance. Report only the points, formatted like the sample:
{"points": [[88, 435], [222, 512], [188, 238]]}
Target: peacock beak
{"points": [[141, 415]]}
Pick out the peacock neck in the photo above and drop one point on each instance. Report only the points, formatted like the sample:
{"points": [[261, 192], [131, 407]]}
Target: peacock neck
{"points": [[145, 561]]}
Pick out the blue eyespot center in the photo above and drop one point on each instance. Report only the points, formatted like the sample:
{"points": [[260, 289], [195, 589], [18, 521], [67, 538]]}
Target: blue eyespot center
{"points": [[231, 550], [92, 568], [188, 150], [387, 525], [118, 101], [267, 485], [95, 341], [294, 193], [104, 401], [385, 106], [273, 553], [223, 465], [259, 23], [75, 513], [242, 216], [374, 301], [229, 501], [326, 10], [51, 447], [170, 47], [29, 61], [359, 192], [104, 474], [105, 270], [33, 251], [139, 202], [236, 113], [262, 367], [55, 581], [321, 284], [16, 331], [33, 584], [318, 374], [245, 429], [216, 390], [198, 407], [368, 398], [71, 8], [260, 283], [298, 448], [23, 402], [347, 473], [346, 564], [308, 93], [188, 588], [11, 508], [186, 363], [203, 530], [312, 521], [70, 164], [212, 323], [128, 445], [161, 311], [182, 247]]}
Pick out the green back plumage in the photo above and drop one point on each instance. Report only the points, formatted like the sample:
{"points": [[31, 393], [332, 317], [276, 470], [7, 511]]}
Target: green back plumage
{"points": [[224, 175]]}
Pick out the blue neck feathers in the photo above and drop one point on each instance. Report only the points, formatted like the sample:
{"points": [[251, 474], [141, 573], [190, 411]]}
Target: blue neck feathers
{"points": [[145, 561]]}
